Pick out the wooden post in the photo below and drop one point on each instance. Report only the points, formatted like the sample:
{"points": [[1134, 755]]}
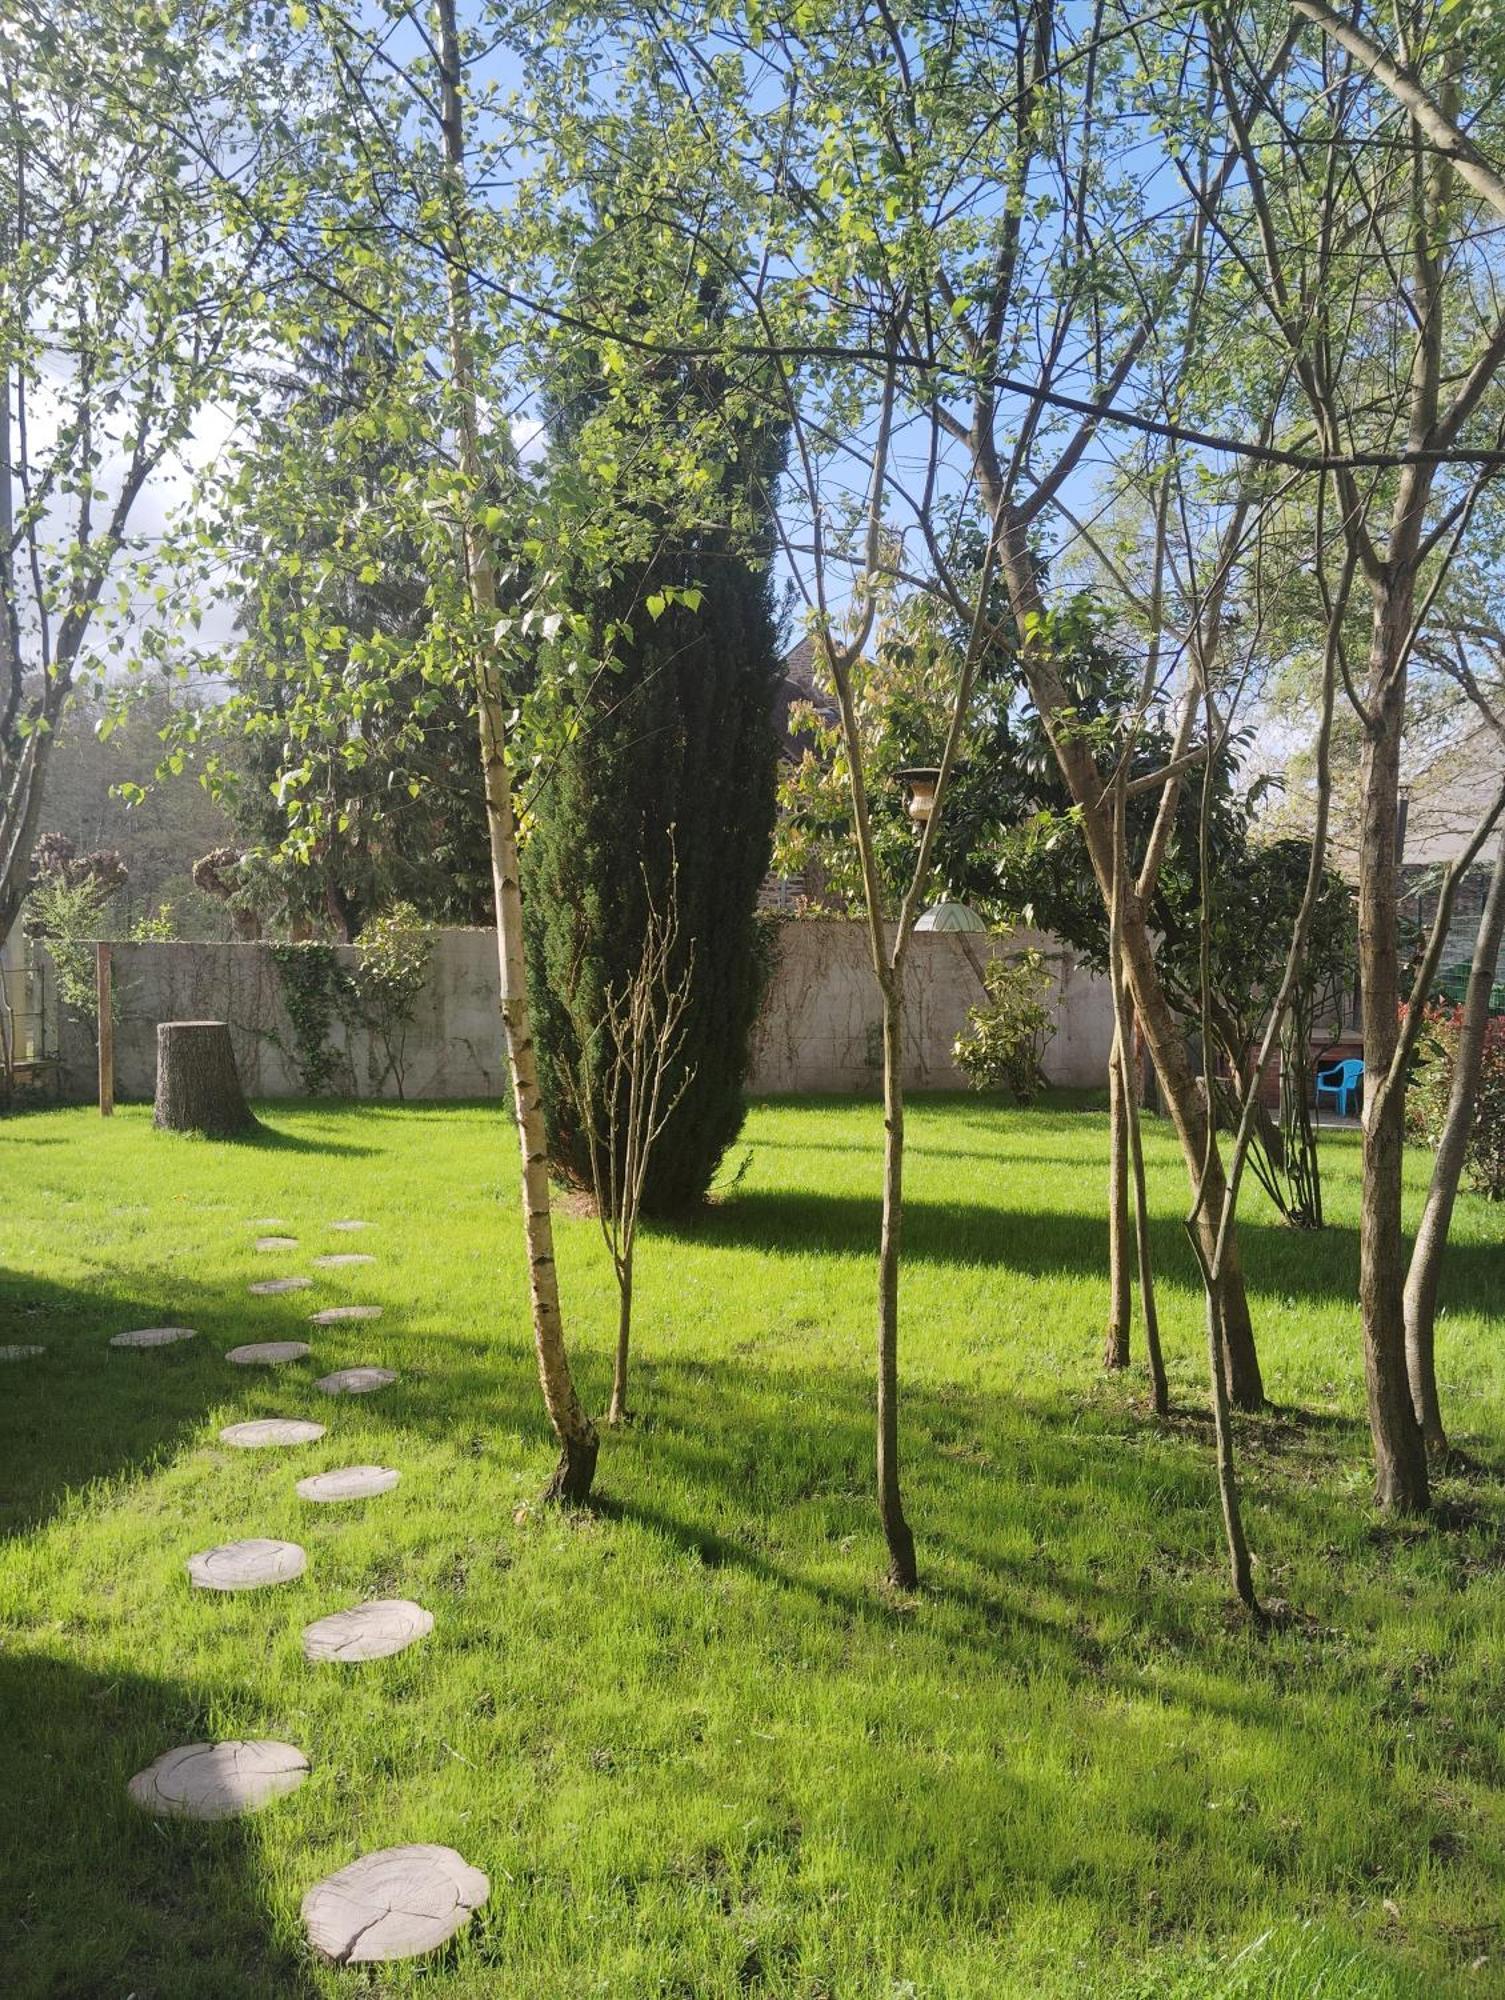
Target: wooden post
{"points": [[103, 989]]}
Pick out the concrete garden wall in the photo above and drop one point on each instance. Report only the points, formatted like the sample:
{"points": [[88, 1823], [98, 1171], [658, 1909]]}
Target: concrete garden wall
{"points": [[819, 1029]]}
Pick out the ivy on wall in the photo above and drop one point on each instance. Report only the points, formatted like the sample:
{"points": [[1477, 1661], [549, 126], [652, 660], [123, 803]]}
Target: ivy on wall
{"points": [[317, 992]]}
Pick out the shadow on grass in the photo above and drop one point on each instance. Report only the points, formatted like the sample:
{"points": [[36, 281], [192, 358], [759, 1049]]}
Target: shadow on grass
{"points": [[265, 1138], [84, 1410], [98, 1899], [1051, 1242]]}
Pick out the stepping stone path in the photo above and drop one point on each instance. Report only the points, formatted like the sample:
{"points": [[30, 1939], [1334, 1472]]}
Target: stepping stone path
{"points": [[351, 1482], [153, 1336], [218, 1780], [267, 1222], [401, 1901], [246, 1565], [19, 1353], [367, 1631], [395, 1903], [271, 1430], [355, 1381]]}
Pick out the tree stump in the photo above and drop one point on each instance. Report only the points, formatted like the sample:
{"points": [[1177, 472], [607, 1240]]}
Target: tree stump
{"points": [[198, 1088]]}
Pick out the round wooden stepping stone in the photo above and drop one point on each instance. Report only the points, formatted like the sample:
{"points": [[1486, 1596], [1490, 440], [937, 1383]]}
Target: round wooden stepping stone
{"points": [[396, 1903], [367, 1631], [246, 1565], [355, 1381], [338, 1260], [267, 1222], [332, 1315], [153, 1336], [271, 1430], [348, 1224], [270, 1287], [19, 1352], [267, 1353], [276, 1243], [351, 1482], [218, 1780]]}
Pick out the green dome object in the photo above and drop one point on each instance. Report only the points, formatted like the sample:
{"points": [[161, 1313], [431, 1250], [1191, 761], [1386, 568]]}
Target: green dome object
{"points": [[949, 916]]}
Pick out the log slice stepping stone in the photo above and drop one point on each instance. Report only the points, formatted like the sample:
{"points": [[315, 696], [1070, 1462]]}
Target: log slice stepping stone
{"points": [[19, 1352], [349, 1223], [332, 1315], [350, 1482], [355, 1381], [218, 1780], [267, 1222], [246, 1565], [267, 1353], [395, 1903], [153, 1336], [339, 1259], [271, 1430], [276, 1243], [268, 1288], [367, 1631]]}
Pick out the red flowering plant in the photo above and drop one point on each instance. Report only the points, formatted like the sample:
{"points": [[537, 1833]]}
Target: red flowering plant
{"points": [[1432, 1081]]}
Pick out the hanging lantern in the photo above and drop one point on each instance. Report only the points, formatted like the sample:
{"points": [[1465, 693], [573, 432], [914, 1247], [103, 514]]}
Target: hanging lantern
{"points": [[919, 782]]}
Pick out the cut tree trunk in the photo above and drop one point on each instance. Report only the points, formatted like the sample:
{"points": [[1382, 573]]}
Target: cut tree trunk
{"points": [[198, 1087]]}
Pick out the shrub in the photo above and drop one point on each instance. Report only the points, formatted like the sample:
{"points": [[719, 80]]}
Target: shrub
{"points": [[395, 952], [1432, 1081], [69, 918], [1008, 1033], [159, 926]]}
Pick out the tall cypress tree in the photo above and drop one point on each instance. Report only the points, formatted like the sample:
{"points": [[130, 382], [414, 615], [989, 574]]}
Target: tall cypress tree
{"points": [[667, 784]]}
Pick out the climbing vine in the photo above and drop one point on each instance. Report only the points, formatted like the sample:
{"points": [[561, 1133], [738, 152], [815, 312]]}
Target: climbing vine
{"points": [[317, 992]]}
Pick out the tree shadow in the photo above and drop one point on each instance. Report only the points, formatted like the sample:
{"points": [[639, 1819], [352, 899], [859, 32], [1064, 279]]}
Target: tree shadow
{"points": [[267, 1138], [83, 1410], [1053, 1242], [97, 1898]]}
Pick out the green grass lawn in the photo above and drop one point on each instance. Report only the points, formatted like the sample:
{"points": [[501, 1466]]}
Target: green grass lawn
{"points": [[696, 1744]]}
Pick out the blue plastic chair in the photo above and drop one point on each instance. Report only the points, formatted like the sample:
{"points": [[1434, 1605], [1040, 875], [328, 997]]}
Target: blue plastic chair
{"points": [[1340, 1082]]}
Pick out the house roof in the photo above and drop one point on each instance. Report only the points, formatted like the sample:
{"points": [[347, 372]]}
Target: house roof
{"points": [[797, 683], [1450, 795]]}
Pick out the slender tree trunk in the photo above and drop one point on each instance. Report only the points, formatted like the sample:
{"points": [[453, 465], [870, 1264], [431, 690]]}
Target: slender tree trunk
{"points": [[1400, 1457], [896, 1531], [576, 1433], [1116, 1338], [1189, 1113], [1159, 1387], [1431, 1238], [618, 1412], [1158, 1022], [1240, 1567]]}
